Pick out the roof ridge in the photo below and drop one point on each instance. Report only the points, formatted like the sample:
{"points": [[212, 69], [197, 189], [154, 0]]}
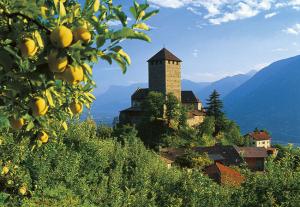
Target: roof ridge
{"points": [[164, 54]]}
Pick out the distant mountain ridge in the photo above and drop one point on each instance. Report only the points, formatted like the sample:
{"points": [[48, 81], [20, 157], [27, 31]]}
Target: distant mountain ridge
{"points": [[225, 85], [269, 100]]}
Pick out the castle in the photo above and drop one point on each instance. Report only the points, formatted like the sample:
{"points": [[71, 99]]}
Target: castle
{"points": [[164, 70]]}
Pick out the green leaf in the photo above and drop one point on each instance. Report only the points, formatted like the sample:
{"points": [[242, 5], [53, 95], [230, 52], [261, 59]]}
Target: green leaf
{"points": [[123, 54], [121, 16], [65, 126], [50, 99], [150, 14], [91, 96], [88, 68], [141, 26], [136, 6], [105, 57], [39, 39], [4, 122], [133, 12], [30, 126], [120, 61], [96, 5], [127, 33], [62, 10], [100, 41]]}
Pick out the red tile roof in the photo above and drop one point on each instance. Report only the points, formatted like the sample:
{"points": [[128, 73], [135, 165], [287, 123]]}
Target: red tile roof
{"points": [[224, 175], [262, 135]]}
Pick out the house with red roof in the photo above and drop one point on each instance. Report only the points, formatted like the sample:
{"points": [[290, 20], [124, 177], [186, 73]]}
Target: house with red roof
{"points": [[259, 139], [224, 175]]}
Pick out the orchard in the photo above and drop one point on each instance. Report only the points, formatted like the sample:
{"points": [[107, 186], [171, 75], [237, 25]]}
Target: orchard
{"points": [[47, 52]]}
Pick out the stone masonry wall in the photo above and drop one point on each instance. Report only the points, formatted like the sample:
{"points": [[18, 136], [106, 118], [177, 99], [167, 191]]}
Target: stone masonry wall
{"points": [[173, 78], [156, 75]]}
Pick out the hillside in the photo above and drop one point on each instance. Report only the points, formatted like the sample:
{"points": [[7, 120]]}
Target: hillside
{"points": [[269, 100]]}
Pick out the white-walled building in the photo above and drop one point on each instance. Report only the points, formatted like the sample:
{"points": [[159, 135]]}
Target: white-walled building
{"points": [[260, 139]]}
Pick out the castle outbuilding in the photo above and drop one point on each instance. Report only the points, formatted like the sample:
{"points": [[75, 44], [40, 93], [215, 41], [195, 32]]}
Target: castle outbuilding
{"points": [[164, 70]]}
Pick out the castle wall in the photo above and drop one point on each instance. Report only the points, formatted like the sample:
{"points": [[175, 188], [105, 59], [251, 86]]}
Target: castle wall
{"points": [[165, 77], [156, 75], [173, 78]]}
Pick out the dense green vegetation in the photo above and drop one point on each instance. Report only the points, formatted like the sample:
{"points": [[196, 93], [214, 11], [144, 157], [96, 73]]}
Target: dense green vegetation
{"points": [[99, 166], [170, 128]]}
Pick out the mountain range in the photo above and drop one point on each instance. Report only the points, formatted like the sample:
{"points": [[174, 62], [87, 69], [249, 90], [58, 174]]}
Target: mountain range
{"points": [[117, 98], [223, 86], [269, 100]]}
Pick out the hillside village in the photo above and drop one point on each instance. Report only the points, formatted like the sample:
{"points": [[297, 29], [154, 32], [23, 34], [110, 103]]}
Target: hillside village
{"points": [[164, 70]]}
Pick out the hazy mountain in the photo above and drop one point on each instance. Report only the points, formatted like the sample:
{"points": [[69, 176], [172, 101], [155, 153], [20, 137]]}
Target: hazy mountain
{"points": [[117, 98], [269, 100], [224, 86], [193, 86]]}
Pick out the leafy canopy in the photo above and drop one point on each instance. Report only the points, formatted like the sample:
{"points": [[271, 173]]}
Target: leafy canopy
{"points": [[47, 51]]}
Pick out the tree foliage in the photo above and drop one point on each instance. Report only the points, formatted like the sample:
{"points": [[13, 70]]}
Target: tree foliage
{"points": [[47, 51], [153, 106], [82, 169]]}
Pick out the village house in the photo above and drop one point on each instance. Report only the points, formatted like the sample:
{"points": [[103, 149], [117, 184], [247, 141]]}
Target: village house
{"points": [[259, 139], [224, 175], [227, 155], [164, 70], [254, 157]]}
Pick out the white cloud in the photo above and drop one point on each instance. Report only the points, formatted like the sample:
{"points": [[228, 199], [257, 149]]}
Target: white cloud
{"points": [[280, 50], [270, 15], [221, 11], [195, 53], [296, 8], [193, 10], [116, 23], [169, 3], [294, 30], [243, 11]]}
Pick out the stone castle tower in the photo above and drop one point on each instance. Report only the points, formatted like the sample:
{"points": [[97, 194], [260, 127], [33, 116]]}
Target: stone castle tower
{"points": [[164, 76], [164, 70]]}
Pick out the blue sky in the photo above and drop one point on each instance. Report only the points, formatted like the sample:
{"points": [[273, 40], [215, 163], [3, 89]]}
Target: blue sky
{"points": [[214, 38]]}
